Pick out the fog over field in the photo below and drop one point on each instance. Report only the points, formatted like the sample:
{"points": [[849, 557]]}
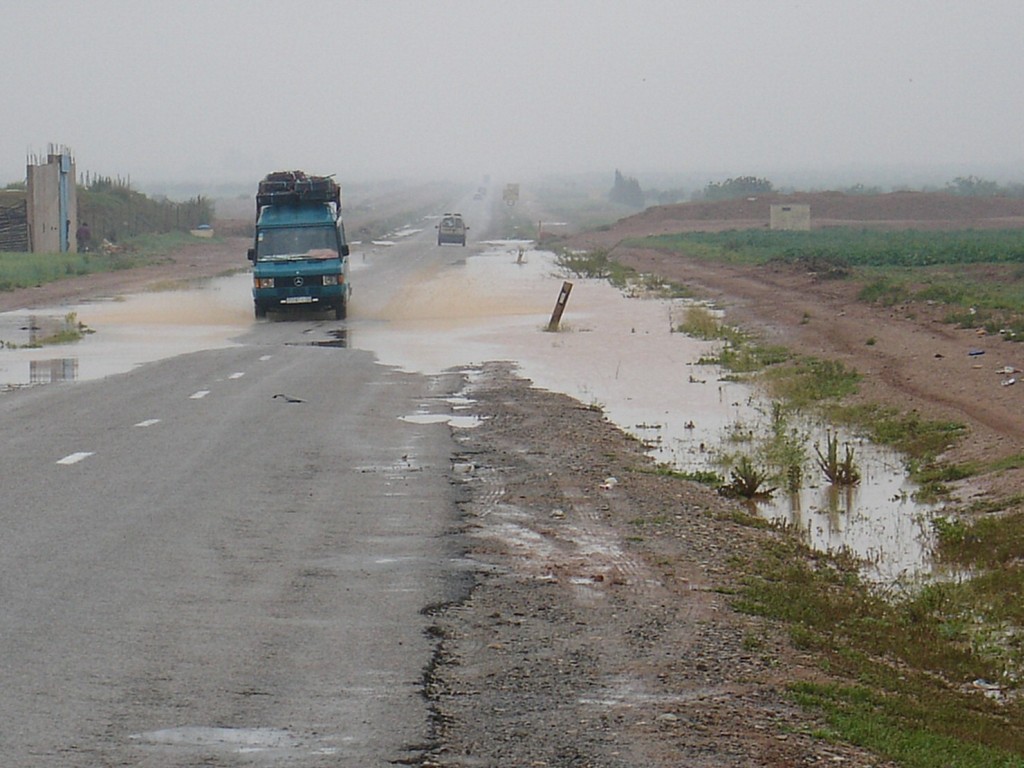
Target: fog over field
{"points": [[222, 92]]}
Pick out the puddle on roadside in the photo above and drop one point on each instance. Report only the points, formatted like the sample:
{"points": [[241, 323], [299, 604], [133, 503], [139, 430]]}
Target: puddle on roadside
{"points": [[339, 339], [622, 355], [459, 422], [877, 519], [125, 332]]}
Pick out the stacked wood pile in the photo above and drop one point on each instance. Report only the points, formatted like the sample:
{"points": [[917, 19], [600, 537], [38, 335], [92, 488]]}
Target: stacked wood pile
{"points": [[14, 227]]}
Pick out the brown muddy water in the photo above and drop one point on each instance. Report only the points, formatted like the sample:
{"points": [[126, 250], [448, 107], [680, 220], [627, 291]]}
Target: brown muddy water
{"points": [[123, 332], [623, 355], [612, 351]]}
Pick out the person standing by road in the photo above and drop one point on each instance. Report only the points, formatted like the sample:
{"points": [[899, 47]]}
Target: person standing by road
{"points": [[83, 235]]}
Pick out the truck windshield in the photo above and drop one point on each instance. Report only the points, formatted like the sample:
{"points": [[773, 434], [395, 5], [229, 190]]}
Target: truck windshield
{"points": [[298, 243]]}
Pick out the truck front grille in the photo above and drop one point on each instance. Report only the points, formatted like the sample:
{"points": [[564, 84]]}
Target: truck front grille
{"points": [[298, 281]]}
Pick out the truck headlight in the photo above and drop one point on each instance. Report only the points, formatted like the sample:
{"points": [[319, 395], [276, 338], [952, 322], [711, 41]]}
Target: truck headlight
{"points": [[332, 279], [263, 282]]}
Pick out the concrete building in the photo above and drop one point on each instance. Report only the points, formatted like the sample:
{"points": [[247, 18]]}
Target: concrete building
{"points": [[52, 203], [791, 217]]}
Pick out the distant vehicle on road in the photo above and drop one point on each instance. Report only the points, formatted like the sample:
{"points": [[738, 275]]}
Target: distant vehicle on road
{"points": [[452, 229], [300, 257]]}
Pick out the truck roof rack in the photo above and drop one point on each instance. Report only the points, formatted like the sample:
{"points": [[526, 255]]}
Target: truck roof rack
{"points": [[291, 187]]}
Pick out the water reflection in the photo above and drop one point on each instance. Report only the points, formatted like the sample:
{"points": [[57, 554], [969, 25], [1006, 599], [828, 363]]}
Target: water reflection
{"points": [[339, 338], [123, 332], [52, 371], [877, 520]]}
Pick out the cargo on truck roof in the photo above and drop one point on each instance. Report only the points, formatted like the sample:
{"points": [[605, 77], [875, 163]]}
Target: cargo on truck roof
{"points": [[294, 187]]}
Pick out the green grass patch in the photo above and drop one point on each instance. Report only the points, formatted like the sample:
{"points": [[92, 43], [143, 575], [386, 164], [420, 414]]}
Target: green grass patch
{"points": [[837, 248], [911, 659], [888, 727], [1016, 461], [599, 265], [25, 270], [986, 542], [70, 331], [907, 432], [750, 357], [884, 291], [704, 477], [804, 381], [741, 353]]}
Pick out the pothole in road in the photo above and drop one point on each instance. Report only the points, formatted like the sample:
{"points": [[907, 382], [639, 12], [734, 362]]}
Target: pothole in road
{"points": [[338, 338]]}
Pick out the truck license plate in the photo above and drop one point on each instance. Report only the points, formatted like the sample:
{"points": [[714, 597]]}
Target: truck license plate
{"points": [[298, 300]]}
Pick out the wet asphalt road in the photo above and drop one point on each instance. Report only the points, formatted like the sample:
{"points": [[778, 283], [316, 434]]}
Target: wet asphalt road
{"points": [[194, 570]]}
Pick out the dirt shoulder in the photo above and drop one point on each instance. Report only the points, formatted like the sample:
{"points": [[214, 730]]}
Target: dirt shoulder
{"points": [[201, 260], [600, 632]]}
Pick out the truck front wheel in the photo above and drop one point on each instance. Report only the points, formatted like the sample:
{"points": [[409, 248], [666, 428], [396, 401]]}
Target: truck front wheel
{"points": [[341, 310], [260, 309]]}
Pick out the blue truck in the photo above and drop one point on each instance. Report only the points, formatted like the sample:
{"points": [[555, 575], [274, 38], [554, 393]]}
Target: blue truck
{"points": [[300, 257]]}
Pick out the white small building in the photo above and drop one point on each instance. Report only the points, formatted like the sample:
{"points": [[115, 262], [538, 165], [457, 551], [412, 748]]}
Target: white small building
{"points": [[790, 217]]}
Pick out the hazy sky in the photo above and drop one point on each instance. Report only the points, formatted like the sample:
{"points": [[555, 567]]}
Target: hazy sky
{"points": [[221, 92]]}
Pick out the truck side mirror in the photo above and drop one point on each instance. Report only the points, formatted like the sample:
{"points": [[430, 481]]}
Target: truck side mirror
{"points": [[344, 250], [252, 255]]}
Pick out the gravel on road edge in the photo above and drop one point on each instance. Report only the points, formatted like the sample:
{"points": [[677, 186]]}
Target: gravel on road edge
{"points": [[600, 632]]}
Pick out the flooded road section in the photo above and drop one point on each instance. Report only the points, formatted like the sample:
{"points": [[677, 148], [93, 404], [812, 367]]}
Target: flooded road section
{"points": [[624, 356], [120, 333], [494, 303]]}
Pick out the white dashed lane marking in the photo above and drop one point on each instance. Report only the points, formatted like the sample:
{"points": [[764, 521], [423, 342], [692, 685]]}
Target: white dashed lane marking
{"points": [[237, 375], [74, 458], [148, 423], [199, 395]]}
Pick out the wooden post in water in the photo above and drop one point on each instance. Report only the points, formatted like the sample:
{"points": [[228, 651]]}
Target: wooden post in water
{"points": [[563, 298]]}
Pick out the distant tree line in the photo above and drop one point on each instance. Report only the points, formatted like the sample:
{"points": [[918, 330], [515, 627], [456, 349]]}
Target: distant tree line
{"points": [[740, 187], [972, 186], [627, 191]]}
